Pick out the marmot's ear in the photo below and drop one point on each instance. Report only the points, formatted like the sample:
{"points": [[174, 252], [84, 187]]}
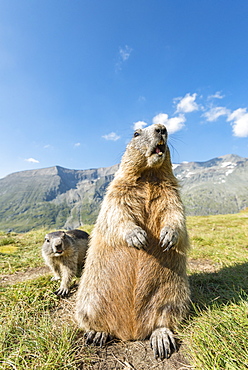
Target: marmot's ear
{"points": [[64, 235]]}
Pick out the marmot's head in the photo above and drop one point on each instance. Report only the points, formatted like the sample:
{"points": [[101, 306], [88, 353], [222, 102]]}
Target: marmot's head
{"points": [[148, 147], [55, 243]]}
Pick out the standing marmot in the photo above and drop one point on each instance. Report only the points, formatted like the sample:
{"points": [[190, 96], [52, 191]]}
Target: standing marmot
{"points": [[64, 252], [134, 284]]}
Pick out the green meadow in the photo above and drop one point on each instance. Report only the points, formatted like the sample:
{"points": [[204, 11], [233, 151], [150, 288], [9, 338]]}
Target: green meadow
{"points": [[37, 330]]}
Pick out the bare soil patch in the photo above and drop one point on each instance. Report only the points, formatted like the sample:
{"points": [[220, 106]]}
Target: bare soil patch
{"points": [[203, 265], [131, 355], [196, 265], [20, 276]]}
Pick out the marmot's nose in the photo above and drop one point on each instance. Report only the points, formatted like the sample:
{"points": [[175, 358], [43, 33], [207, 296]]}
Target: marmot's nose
{"points": [[160, 135], [160, 131]]}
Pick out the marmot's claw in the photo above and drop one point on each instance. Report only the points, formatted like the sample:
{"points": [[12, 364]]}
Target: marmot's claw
{"points": [[137, 238], [55, 278], [168, 238], [97, 338], [163, 343], [89, 336], [63, 292]]}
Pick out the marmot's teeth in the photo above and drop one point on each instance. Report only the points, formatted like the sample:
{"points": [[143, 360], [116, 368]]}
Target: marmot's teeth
{"points": [[161, 142], [160, 153]]}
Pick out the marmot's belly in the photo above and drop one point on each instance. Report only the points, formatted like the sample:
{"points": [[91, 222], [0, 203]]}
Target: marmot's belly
{"points": [[131, 294]]}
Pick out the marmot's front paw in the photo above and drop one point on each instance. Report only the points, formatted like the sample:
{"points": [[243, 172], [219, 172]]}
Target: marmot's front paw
{"points": [[137, 238], [55, 278], [62, 292], [168, 238]]}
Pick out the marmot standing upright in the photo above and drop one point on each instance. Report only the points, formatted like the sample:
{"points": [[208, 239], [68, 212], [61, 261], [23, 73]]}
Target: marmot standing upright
{"points": [[134, 284]]}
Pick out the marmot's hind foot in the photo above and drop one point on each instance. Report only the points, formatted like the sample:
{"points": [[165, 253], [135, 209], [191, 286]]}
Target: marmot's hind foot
{"points": [[97, 338], [163, 343]]}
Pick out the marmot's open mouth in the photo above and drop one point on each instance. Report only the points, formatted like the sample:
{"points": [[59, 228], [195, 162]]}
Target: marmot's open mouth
{"points": [[160, 148]]}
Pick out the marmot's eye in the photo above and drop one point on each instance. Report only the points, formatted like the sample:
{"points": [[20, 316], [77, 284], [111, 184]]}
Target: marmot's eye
{"points": [[136, 134], [47, 240]]}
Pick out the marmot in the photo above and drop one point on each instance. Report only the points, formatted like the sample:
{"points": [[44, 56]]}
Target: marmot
{"points": [[64, 252], [134, 285]]}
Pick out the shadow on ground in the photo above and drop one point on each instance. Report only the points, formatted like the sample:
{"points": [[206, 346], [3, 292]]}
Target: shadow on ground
{"points": [[222, 287]]}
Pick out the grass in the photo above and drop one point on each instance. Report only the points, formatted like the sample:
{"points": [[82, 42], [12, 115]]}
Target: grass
{"points": [[222, 238], [218, 336], [29, 338], [21, 251], [35, 335]]}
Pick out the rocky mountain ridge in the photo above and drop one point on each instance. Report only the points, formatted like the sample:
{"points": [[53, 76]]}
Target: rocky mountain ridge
{"points": [[57, 197], [217, 186]]}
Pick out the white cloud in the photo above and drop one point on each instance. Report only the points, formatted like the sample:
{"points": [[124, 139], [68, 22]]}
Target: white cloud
{"points": [[238, 119], [77, 144], [139, 124], [123, 56], [125, 52], [240, 122], [48, 146], [32, 160], [237, 114], [186, 104], [173, 124], [112, 136], [214, 113], [217, 95]]}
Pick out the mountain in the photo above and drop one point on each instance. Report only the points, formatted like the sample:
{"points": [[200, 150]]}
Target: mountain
{"points": [[218, 186], [53, 197], [57, 197]]}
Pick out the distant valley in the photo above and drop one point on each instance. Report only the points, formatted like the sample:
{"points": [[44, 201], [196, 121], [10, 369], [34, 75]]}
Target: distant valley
{"points": [[57, 197]]}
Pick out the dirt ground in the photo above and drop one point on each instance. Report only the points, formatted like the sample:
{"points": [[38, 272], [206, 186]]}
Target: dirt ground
{"points": [[133, 355], [136, 355], [195, 265], [19, 277]]}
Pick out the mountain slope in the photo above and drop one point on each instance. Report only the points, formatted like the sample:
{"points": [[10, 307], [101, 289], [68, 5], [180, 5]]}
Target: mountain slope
{"points": [[57, 197], [52, 197], [216, 186]]}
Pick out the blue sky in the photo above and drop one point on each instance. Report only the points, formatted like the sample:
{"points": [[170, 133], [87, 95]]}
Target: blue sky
{"points": [[78, 75]]}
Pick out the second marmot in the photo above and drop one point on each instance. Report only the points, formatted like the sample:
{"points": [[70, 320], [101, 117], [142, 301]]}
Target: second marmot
{"points": [[64, 252]]}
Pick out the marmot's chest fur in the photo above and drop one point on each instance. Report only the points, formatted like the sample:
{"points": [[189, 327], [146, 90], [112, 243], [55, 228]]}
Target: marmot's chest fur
{"points": [[147, 199]]}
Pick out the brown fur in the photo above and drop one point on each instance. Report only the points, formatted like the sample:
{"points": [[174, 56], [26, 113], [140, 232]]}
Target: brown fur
{"points": [[134, 282], [64, 252]]}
